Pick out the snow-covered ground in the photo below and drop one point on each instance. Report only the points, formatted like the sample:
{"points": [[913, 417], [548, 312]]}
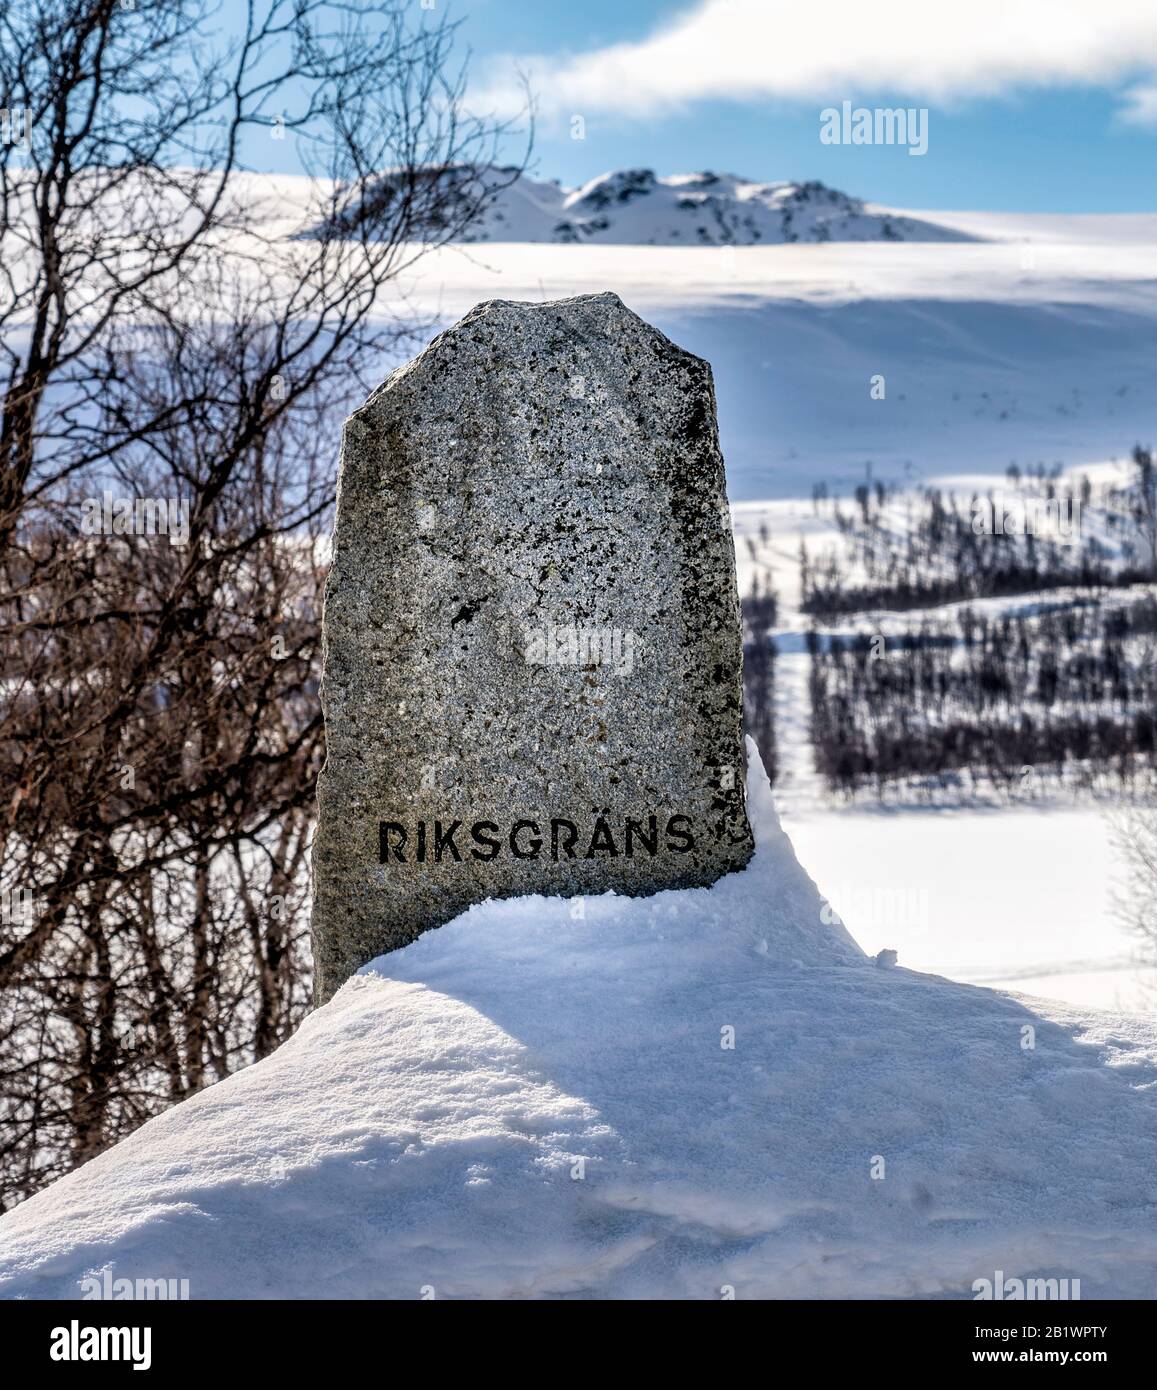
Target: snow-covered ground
{"points": [[702, 1094]]}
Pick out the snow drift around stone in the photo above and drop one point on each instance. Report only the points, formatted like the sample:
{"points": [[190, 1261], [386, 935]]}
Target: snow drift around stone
{"points": [[531, 1103], [634, 207]]}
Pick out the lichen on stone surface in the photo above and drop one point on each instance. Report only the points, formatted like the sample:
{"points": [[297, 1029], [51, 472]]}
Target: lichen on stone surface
{"points": [[531, 630]]}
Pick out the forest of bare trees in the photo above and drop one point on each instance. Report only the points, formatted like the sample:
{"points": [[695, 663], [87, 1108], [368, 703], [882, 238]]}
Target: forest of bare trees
{"points": [[941, 555], [967, 700], [165, 361], [760, 609]]}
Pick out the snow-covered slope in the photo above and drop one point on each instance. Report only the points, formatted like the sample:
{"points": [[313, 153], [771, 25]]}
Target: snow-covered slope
{"points": [[538, 1100], [634, 207], [1032, 346]]}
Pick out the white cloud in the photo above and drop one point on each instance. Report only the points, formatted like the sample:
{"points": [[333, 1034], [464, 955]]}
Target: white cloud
{"points": [[1140, 104], [829, 49]]}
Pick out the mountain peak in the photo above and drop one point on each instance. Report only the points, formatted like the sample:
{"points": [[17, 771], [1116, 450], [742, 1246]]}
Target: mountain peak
{"points": [[639, 207]]}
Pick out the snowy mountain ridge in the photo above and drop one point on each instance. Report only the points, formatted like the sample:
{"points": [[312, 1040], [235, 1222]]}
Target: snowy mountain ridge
{"points": [[637, 207]]}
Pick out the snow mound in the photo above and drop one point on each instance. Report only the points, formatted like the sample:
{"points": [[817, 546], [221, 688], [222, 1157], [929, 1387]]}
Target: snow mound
{"points": [[678, 1096], [634, 207]]}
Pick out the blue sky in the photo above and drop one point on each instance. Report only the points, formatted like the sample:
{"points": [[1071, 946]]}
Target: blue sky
{"points": [[1031, 107]]}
